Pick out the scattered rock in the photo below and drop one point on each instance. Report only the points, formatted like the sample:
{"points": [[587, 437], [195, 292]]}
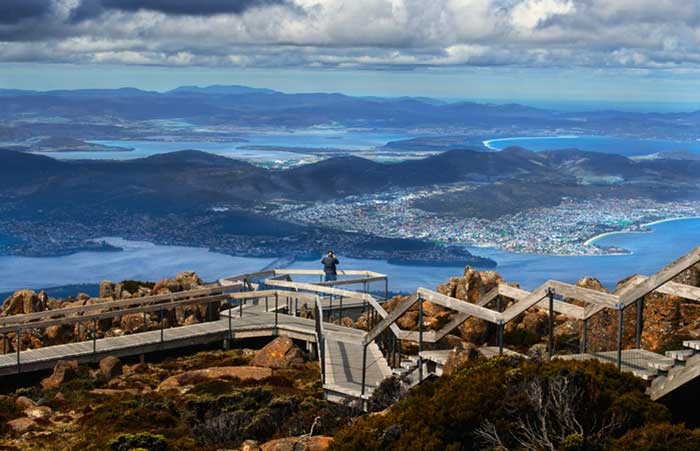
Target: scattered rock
{"points": [[249, 445], [280, 353], [22, 425], [24, 403], [64, 371], [304, 443], [223, 372], [110, 367], [38, 413]]}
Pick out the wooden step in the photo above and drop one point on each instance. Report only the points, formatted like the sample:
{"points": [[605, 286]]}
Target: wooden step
{"points": [[680, 355], [692, 344]]}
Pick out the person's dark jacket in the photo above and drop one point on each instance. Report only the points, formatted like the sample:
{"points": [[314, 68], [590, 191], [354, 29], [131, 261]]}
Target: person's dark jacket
{"points": [[329, 264]]}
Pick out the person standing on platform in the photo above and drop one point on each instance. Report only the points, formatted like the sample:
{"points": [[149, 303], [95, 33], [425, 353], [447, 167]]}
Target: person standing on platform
{"points": [[330, 262]]}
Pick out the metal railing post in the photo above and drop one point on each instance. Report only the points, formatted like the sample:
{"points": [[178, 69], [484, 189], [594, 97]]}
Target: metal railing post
{"points": [[550, 341], [241, 303], [364, 371], [19, 347], [276, 310], [584, 336], [500, 337], [267, 309], [386, 288], [94, 335], [162, 319]]}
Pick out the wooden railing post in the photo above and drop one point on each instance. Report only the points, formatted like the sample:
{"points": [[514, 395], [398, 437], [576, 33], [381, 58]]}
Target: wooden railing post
{"points": [[640, 322], [420, 338], [619, 335], [550, 341], [162, 319]]}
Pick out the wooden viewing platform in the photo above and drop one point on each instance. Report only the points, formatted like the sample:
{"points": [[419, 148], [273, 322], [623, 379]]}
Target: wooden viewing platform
{"points": [[353, 362]]}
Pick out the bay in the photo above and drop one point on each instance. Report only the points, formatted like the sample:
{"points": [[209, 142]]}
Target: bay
{"points": [[650, 252]]}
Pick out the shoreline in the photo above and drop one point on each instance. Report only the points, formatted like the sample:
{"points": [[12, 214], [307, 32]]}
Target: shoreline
{"points": [[592, 240], [488, 143]]}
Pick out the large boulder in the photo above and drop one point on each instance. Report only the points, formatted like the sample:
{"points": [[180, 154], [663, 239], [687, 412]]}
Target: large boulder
{"points": [[223, 372], [280, 353], [304, 443], [64, 371], [110, 367], [23, 301]]}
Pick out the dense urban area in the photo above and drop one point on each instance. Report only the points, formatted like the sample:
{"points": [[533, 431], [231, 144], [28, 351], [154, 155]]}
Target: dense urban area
{"points": [[566, 229]]}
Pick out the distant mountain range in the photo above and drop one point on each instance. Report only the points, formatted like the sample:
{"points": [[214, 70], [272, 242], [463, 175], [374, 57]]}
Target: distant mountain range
{"points": [[190, 180], [252, 107]]}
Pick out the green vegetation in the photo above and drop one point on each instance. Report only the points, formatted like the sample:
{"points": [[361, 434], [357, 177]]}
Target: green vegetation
{"points": [[130, 442], [506, 403]]}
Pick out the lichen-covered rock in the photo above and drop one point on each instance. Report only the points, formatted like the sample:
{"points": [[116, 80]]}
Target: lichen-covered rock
{"points": [[280, 353]]}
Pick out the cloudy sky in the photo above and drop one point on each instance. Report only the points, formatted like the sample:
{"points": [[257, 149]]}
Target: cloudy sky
{"points": [[645, 50]]}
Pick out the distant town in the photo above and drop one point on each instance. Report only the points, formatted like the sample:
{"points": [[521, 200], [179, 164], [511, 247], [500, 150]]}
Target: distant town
{"points": [[566, 229]]}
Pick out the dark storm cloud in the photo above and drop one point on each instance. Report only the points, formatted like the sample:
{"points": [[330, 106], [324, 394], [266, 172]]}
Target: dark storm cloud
{"points": [[15, 11], [92, 8]]}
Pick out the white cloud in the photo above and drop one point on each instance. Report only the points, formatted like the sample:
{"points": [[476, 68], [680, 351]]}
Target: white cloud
{"points": [[373, 33]]}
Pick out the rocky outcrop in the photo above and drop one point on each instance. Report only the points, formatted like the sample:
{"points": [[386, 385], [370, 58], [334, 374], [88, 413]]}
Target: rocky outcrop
{"points": [[182, 282], [23, 301], [280, 353], [226, 372], [28, 301]]}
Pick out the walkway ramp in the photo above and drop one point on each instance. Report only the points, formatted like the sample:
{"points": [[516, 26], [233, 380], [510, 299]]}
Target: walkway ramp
{"points": [[343, 362]]}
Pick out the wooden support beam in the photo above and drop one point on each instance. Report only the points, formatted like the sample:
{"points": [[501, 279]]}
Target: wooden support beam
{"points": [[584, 294], [489, 315], [660, 278], [395, 314]]}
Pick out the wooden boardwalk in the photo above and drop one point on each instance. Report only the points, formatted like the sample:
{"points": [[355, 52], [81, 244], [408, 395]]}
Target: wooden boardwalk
{"points": [[270, 303]]}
